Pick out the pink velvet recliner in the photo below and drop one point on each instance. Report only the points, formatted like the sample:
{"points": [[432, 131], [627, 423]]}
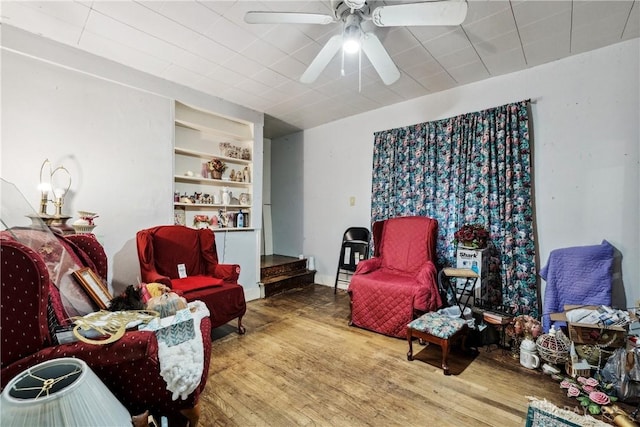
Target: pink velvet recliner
{"points": [[400, 281], [163, 249], [32, 306]]}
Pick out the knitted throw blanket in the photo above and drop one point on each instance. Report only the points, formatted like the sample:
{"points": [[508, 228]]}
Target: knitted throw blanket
{"points": [[181, 365]]}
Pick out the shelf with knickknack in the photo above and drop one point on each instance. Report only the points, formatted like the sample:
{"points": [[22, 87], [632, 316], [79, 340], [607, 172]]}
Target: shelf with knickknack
{"points": [[212, 171]]}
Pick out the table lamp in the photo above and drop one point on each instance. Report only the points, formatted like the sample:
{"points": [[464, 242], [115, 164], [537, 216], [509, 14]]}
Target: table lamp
{"points": [[54, 182], [60, 392]]}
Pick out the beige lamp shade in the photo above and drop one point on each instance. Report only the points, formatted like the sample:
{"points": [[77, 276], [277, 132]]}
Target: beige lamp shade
{"points": [[60, 392]]}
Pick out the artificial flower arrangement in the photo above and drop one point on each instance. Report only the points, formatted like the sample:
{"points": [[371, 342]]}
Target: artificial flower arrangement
{"points": [[591, 394], [217, 167], [472, 236], [524, 326]]}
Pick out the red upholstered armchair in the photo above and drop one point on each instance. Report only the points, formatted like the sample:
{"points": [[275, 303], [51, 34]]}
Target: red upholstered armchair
{"points": [[162, 249], [31, 306], [388, 290]]}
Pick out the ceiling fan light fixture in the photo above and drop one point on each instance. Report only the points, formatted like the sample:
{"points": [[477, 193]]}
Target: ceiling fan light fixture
{"points": [[352, 34], [351, 45], [355, 4]]}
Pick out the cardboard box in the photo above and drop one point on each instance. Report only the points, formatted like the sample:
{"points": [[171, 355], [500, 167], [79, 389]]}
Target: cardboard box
{"points": [[478, 261], [585, 333]]}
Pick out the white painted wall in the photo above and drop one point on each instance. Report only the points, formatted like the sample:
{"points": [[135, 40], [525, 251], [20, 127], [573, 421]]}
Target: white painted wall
{"points": [[112, 127], [585, 115], [266, 244], [115, 142], [288, 197]]}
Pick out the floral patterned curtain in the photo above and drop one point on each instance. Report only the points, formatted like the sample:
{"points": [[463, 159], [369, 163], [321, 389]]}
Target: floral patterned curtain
{"points": [[472, 168]]}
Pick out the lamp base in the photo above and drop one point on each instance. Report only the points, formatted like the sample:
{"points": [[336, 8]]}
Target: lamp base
{"points": [[38, 219], [59, 224]]}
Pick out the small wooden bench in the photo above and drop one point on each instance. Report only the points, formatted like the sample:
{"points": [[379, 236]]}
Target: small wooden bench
{"points": [[437, 329]]}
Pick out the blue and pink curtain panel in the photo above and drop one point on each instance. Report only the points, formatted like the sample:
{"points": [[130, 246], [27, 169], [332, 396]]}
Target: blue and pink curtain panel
{"points": [[469, 169]]}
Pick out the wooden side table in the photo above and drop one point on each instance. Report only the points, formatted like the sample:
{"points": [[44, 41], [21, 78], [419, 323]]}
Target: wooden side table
{"points": [[445, 283], [500, 324]]}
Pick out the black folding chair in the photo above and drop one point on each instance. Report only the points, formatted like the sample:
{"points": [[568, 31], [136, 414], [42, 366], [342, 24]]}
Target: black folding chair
{"points": [[355, 248]]}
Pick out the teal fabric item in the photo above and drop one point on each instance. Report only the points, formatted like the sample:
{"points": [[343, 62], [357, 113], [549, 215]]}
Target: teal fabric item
{"points": [[438, 325], [470, 169], [539, 418], [542, 413]]}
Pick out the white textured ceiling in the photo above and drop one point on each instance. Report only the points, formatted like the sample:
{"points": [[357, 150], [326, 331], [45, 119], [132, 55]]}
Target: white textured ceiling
{"points": [[207, 45]]}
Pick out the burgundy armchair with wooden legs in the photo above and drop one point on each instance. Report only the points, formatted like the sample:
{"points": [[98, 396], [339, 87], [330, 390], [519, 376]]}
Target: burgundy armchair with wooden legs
{"points": [[31, 307], [162, 249], [400, 281]]}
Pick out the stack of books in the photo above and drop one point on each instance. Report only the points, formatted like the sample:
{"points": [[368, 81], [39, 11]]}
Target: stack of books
{"points": [[496, 317]]}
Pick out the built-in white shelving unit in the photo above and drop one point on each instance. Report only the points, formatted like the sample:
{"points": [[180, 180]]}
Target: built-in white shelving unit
{"points": [[200, 200]]}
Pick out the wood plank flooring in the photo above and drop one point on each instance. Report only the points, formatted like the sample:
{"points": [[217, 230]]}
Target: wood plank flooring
{"points": [[300, 364]]}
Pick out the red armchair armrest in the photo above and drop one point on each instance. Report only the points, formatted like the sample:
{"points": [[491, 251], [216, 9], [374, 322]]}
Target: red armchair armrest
{"points": [[368, 265], [227, 272], [157, 278], [131, 347]]}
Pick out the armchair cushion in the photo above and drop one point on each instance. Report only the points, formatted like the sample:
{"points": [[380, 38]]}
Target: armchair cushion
{"points": [[192, 283]]}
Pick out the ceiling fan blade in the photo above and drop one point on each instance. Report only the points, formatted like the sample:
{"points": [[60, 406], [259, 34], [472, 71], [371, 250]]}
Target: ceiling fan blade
{"points": [[287, 18], [379, 58], [322, 59], [429, 13]]}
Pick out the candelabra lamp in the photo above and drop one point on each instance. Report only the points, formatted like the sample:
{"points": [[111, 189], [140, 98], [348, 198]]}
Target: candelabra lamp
{"points": [[54, 183]]}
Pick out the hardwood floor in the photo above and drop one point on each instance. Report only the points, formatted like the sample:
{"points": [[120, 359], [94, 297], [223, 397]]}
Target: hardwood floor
{"points": [[301, 364]]}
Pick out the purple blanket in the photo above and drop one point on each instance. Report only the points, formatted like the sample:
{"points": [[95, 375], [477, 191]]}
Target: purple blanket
{"points": [[577, 275]]}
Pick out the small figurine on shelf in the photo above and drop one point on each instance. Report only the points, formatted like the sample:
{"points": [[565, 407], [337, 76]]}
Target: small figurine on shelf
{"points": [[201, 221], [226, 196], [222, 219]]}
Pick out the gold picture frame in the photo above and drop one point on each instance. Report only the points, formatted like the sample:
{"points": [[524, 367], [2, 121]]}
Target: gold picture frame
{"points": [[94, 287]]}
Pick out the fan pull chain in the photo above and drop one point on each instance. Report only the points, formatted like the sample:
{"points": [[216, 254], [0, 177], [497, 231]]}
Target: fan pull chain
{"points": [[359, 70], [342, 66]]}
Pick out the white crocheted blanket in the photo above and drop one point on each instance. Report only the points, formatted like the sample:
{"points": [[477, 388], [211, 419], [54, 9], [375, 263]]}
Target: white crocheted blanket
{"points": [[181, 364]]}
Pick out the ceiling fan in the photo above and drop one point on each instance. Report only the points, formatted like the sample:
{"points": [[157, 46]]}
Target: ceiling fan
{"points": [[352, 14]]}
